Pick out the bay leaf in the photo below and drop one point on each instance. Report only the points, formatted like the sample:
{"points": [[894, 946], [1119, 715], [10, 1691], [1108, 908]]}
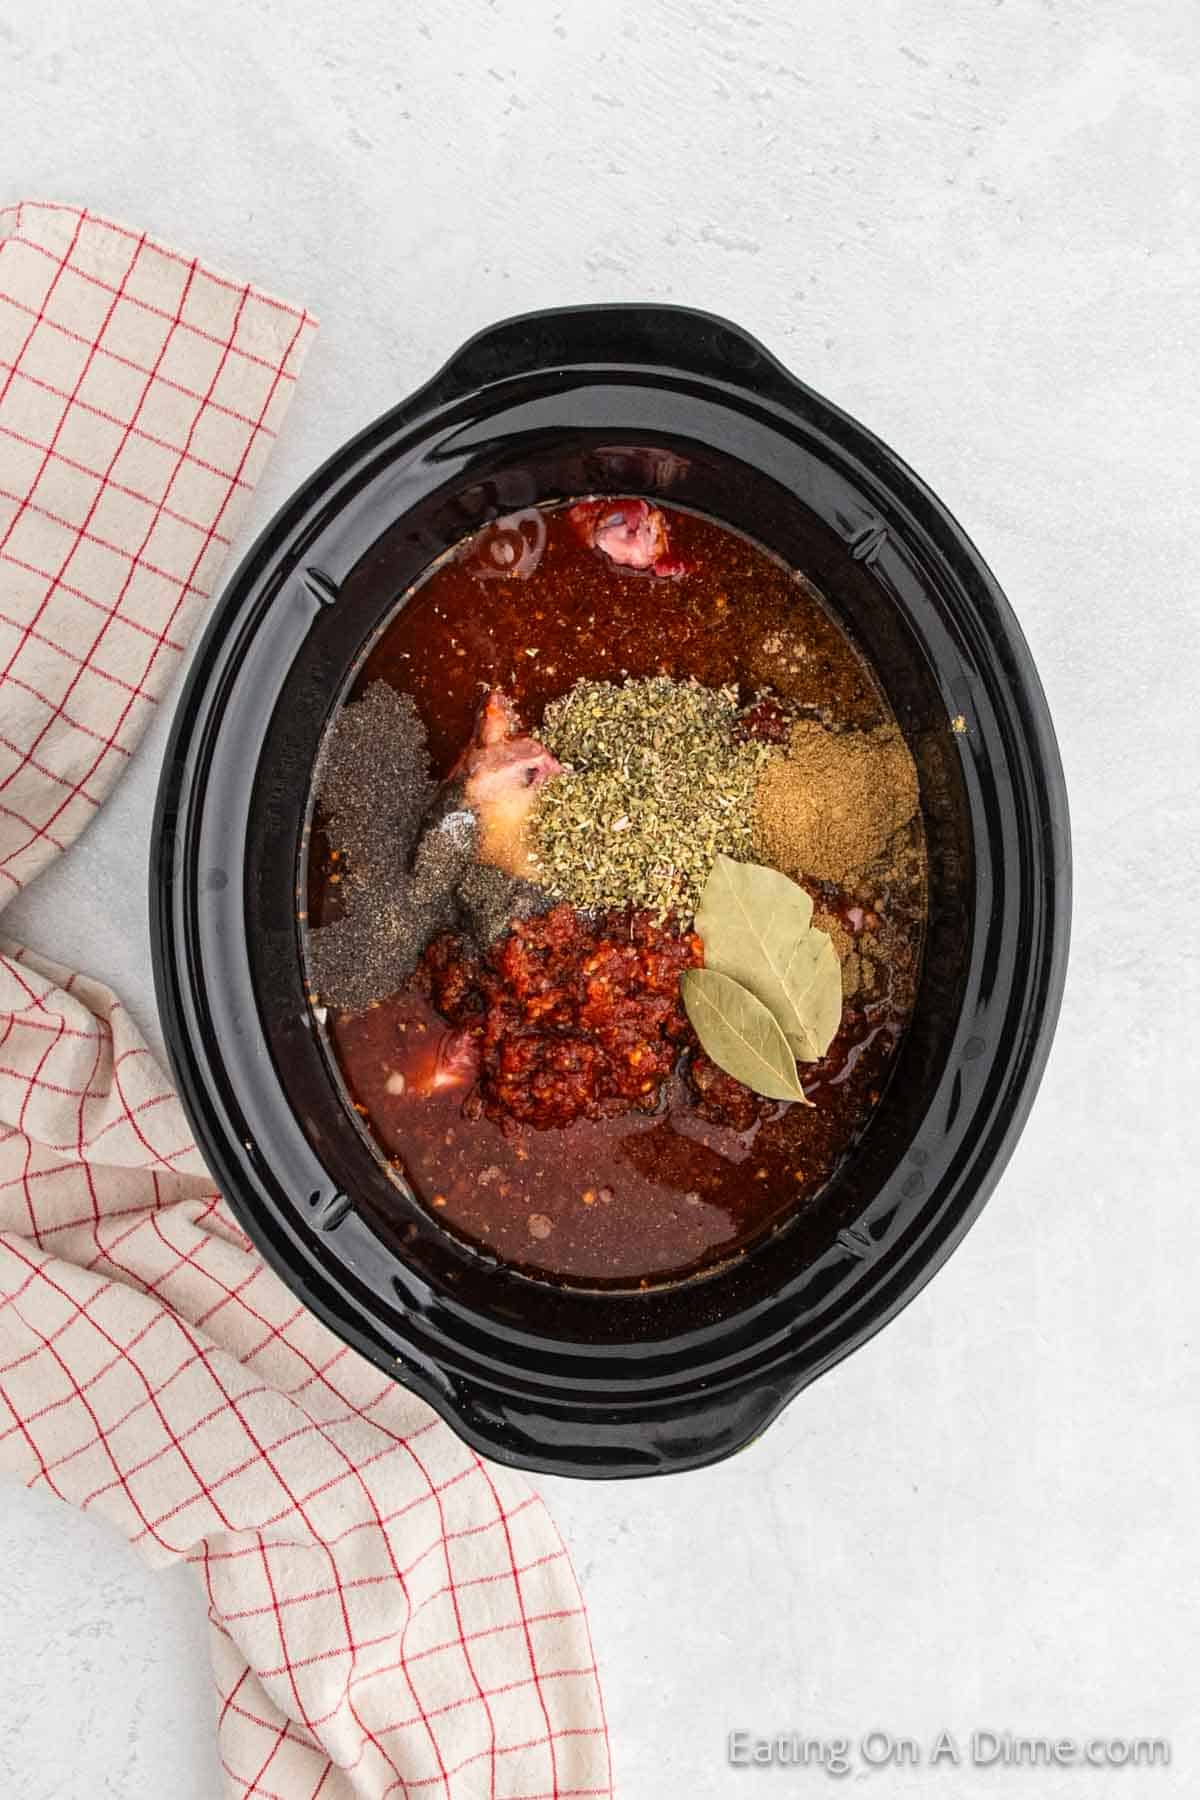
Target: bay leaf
{"points": [[757, 928], [740, 1035]]}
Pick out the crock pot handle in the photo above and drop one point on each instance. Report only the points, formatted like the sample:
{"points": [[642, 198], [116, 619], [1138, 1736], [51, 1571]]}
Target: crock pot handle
{"points": [[665, 339], [648, 1440]]}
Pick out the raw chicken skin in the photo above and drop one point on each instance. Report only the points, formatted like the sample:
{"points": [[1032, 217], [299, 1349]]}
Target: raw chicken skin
{"points": [[501, 771], [454, 1064], [629, 532]]}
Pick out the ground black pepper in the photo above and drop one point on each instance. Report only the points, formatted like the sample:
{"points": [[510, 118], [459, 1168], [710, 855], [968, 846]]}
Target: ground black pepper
{"points": [[373, 781], [406, 853]]}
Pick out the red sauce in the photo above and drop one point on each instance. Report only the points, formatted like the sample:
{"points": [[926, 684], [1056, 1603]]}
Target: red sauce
{"points": [[570, 1020], [736, 615], [628, 1196]]}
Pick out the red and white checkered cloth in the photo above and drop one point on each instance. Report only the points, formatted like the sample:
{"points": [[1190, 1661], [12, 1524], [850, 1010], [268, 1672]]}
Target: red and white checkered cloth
{"points": [[390, 1614]]}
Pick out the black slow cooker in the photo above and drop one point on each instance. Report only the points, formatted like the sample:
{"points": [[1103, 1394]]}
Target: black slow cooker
{"points": [[533, 410]]}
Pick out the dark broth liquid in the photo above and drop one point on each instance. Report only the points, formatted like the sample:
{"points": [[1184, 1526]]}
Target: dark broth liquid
{"points": [[639, 1199]]}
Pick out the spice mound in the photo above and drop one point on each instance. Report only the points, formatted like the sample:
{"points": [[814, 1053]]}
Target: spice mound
{"points": [[413, 858], [572, 1020], [659, 780], [723, 1100], [829, 806]]}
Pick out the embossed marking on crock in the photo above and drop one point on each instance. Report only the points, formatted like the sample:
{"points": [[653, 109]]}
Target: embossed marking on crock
{"points": [[857, 1241], [866, 544], [323, 590], [328, 1209]]}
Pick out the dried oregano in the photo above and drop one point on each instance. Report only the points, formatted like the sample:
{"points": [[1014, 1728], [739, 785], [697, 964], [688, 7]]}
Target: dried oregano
{"points": [[657, 787]]}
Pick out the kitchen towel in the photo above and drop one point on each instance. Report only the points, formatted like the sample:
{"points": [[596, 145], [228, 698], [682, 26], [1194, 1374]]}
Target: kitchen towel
{"points": [[390, 1614]]}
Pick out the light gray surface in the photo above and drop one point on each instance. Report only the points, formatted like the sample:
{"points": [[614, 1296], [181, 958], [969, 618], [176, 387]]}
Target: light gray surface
{"points": [[976, 228]]}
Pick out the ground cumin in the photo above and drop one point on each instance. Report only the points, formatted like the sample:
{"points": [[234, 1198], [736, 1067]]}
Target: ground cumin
{"points": [[828, 807], [843, 943]]}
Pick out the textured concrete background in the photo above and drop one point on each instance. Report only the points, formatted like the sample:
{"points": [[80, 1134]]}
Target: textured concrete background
{"points": [[976, 227]]}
